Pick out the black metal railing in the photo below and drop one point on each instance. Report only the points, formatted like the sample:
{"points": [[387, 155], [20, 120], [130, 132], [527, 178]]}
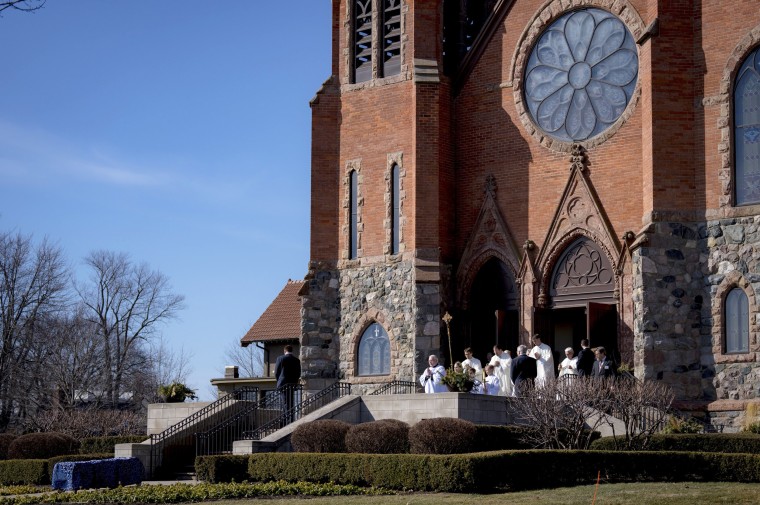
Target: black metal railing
{"points": [[219, 439], [175, 446], [396, 388], [298, 410]]}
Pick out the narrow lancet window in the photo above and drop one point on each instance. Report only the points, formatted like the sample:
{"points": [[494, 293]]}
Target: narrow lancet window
{"points": [[396, 210], [353, 234], [747, 130]]}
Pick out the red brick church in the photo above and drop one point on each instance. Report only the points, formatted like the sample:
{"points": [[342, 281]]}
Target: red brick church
{"points": [[573, 168]]}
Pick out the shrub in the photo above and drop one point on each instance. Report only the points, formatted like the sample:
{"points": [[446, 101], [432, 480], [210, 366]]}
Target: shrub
{"points": [[388, 436], [176, 392], [442, 435], [677, 424], [75, 457], [5, 442], [326, 435], [98, 445], [26, 471], [500, 438], [42, 446], [703, 442], [504, 470], [221, 468], [753, 428]]}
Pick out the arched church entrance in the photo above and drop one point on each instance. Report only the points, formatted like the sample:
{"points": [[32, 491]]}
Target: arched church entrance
{"points": [[492, 311], [582, 301]]}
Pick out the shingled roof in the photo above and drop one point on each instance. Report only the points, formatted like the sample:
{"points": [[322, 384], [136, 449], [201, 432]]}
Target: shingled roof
{"points": [[281, 320]]}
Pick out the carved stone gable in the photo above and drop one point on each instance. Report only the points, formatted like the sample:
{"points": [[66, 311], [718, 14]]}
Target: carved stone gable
{"points": [[490, 238], [579, 213]]}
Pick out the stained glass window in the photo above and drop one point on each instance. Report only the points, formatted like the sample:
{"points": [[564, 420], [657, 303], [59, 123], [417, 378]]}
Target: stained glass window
{"points": [[374, 357], [747, 130], [581, 75], [737, 321]]}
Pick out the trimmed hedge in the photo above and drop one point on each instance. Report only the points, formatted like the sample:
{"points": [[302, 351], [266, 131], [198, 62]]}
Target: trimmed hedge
{"points": [[24, 471], [74, 457], [442, 435], [42, 446], [5, 442], [102, 445], [504, 470], [225, 468], [387, 436], [325, 435], [702, 442]]}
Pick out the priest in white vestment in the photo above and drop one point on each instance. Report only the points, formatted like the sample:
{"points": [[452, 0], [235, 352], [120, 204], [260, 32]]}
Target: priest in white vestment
{"points": [[544, 357], [432, 378], [502, 361]]}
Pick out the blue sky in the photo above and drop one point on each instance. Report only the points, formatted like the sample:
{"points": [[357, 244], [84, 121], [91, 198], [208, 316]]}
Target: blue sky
{"points": [[176, 131]]}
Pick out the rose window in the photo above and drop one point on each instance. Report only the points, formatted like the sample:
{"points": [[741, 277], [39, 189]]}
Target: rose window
{"points": [[581, 75]]}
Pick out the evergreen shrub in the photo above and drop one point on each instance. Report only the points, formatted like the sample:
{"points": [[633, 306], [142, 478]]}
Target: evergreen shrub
{"points": [[503, 470], [325, 435], [5, 442], [442, 435], [98, 445], [42, 446], [387, 436], [697, 442], [24, 471], [225, 468]]}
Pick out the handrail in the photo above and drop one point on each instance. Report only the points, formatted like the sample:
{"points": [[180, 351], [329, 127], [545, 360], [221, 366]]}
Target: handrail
{"points": [[219, 439], [396, 387], [161, 441], [289, 415]]}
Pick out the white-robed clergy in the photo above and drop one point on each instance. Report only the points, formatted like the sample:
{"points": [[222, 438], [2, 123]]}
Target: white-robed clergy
{"points": [[542, 353], [502, 361], [432, 378], [569, 365], [472, 362], [492, 381]]}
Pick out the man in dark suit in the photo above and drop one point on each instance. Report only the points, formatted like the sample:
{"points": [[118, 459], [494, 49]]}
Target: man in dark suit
{"points": [[603, 366], [287, 369], [524, 369], [585, 359]]}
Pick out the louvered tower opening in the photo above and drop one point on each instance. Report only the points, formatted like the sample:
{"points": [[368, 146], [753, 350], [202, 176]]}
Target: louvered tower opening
{"points": [[391, 37], [462, 23], [362, 15]]}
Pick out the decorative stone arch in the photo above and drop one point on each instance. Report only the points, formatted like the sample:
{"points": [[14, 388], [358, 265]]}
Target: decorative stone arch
{"points": [[732, 280], [490, 238], [473, 268], [551, 260], [726, 116], [367, 319], [544, 16]]}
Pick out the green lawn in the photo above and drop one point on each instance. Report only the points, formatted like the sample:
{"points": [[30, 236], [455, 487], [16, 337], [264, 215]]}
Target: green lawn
{"points": [[681, 493]]}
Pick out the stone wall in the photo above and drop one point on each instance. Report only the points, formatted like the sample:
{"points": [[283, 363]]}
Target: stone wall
{"points": [[668, 295], [733, 260]]}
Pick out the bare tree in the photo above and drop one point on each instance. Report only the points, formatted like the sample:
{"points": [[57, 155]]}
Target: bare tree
{"points": [[32, 287], [128, 303], [564, 412], [22, 5], [249, 360]]}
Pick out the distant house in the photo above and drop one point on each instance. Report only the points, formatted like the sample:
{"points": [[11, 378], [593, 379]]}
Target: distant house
{"points": [[278, 326]]}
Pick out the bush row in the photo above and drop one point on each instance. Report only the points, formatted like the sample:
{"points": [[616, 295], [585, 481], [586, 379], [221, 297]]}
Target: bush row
{"points": [[502, 470], [94, 445], [713, 442], [430, 436], [48, 445], [37, 471]]}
